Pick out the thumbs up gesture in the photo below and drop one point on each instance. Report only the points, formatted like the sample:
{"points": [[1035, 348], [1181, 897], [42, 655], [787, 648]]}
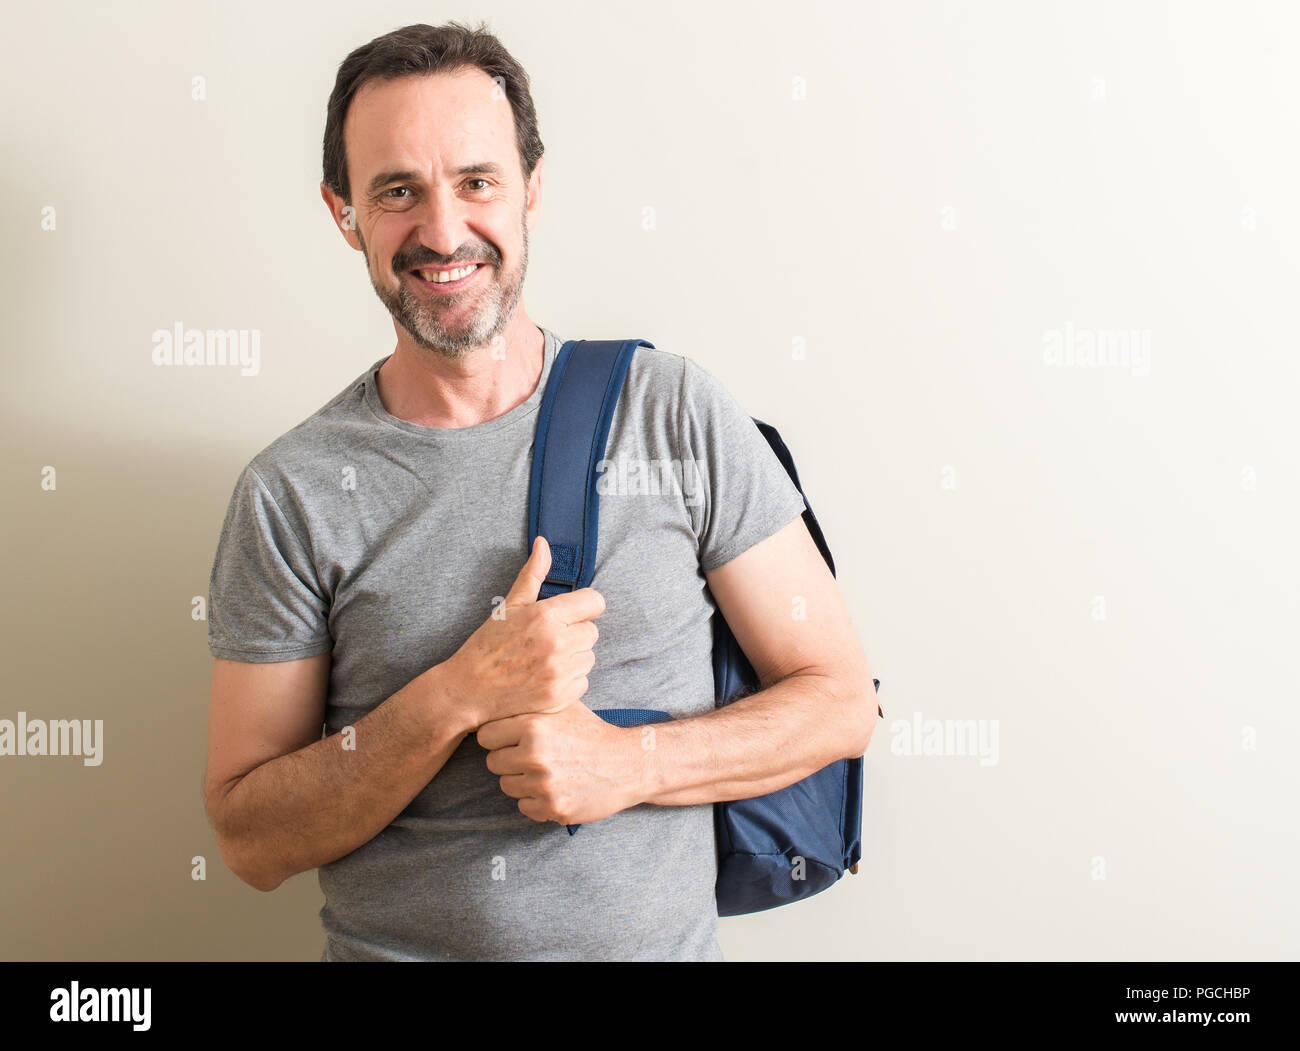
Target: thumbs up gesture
{"points": [[531, 654]]}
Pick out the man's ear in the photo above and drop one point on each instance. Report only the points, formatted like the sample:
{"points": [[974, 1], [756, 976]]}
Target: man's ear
{"points": [[533, 209], [343, 214]]}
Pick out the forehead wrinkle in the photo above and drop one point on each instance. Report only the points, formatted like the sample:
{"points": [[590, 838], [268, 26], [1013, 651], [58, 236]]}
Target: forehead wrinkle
{"points": [[392, 120]]}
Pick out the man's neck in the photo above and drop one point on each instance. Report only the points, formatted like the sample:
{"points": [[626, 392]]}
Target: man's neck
{"points": [[424, 387]]}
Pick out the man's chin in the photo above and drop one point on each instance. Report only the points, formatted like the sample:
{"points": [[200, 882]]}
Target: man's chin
{"points": [[435, 328], [453, 342], [451, 325]]}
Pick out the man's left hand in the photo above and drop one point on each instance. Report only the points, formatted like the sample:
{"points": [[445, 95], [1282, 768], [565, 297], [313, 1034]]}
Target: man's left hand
{"points": [[568, 766]]}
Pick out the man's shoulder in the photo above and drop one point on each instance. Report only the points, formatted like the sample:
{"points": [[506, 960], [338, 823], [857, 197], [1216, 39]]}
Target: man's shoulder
{"points": [[658, 360], [660, 371], [677, 376]]}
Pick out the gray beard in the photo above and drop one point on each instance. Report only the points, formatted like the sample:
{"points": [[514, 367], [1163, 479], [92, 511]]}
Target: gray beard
{"points": [[423, 320]]}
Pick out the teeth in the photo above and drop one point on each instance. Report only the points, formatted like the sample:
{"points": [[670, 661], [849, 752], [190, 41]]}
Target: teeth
{"points": [[442, 277]]}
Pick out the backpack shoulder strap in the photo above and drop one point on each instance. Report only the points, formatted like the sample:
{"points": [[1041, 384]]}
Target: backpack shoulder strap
{"points": [[572, 429]]}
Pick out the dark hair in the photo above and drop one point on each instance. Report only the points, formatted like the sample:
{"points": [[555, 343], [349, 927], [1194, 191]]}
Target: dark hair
{"points": [[418, 50]]}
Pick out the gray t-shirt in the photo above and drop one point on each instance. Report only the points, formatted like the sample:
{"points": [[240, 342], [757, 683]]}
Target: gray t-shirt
{"points": [[386, 543]]}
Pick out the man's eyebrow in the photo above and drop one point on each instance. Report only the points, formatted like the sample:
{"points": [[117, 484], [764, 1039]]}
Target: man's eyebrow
{"points": [[384, 178]]}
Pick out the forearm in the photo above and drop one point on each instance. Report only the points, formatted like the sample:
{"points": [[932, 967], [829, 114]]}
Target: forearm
{"points": [[314, 805], [760, 743]]}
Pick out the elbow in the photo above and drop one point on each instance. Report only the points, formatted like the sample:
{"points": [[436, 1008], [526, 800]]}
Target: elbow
{"points": [[264, 885], [243, 863], [257, 879], [859, 700], [859, 737], [242, 856]]}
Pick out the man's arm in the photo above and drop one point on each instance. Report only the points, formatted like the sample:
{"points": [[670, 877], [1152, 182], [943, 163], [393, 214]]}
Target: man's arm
{"points": [[282, 800], [817, 705], [816, 702]]}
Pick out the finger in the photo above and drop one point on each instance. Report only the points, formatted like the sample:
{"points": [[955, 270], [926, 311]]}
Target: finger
{"points": [[573, 607], [579, 637], [516, 786], [583, 662], [532, 575], [534, 808], [501, 733], [508, 760]]}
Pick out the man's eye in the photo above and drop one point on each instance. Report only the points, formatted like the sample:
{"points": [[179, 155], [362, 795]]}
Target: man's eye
{"points": [[483, 181], [396, 188]]}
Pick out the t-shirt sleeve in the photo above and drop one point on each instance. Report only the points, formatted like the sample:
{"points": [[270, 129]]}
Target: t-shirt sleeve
{"points": [[745, 493], [265, 602]]}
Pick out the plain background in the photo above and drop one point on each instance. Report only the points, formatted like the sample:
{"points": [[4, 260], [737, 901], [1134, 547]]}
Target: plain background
{"points": [[914, 193]]}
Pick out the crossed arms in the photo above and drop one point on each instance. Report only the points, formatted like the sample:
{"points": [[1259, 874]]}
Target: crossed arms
{"points": [[284, 801]]}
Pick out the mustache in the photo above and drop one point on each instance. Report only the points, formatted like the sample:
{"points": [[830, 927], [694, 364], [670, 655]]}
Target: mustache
{"points": [[411, 261]]}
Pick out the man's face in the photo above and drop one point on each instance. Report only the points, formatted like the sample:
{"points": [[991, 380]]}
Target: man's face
{"points": [[436, 185]]}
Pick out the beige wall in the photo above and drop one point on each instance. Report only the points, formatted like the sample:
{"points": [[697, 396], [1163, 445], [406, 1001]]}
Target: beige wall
{"points": [[959, 182]]}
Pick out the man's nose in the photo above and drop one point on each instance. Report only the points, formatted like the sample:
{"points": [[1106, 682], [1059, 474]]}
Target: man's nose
{"points": [[440, 221]]}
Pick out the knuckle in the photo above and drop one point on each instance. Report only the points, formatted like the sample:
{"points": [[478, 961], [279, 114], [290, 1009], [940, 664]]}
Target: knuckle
{"points": [[546, 635]]}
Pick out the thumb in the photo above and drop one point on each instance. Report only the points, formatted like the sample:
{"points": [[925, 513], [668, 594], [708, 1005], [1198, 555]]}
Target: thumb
{"points": [[529, 582]]}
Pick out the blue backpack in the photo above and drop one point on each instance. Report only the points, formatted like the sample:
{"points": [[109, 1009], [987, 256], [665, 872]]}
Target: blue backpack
{"points": [[772, 849]]}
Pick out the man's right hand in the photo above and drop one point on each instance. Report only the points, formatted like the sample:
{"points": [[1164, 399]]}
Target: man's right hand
{"points": [[530, 655]]}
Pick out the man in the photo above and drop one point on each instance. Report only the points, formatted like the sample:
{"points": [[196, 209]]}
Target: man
{"points": [[371, 577]]}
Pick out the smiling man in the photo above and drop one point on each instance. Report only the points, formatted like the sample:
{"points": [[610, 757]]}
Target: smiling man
{"points": [[371, 581]]}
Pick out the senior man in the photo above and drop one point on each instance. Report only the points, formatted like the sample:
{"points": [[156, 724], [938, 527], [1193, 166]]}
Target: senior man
{"points": [[371, 581]]}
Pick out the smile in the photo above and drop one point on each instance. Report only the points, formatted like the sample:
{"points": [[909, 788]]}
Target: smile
{"points": [[448, 279]]}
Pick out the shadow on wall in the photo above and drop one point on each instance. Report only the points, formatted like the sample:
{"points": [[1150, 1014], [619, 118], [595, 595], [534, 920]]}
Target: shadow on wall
{"points": [[103, 573]]}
